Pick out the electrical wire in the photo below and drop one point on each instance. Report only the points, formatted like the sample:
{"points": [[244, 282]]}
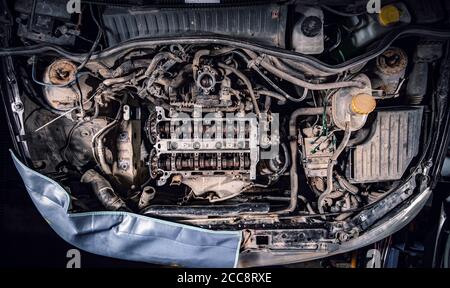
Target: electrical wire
{"points": [[96, 42], [64, 114], [80, 98], [342, 13], [63, 150], [83, 63], [70, 83]]}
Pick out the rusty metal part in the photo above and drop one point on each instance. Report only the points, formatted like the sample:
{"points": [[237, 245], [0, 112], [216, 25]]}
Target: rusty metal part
{"points": [[216, 188], [393, 61], [128, 165], [61, 71], [391, 67], [147, 195], [203, 212]]}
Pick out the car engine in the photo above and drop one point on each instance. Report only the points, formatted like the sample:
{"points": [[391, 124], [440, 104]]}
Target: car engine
{"points": [[303, 120], [206, 120]]}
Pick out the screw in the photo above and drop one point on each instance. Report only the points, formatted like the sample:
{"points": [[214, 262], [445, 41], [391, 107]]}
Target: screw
{"points": [[123, 136], [18, 106], [84, 133], [123, 166]]}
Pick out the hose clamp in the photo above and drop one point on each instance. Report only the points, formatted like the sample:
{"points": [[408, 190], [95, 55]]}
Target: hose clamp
{"points": [[257, 61]]}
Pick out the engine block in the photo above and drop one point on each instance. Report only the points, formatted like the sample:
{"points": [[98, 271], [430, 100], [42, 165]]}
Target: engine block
{"points": [[198, 144]]}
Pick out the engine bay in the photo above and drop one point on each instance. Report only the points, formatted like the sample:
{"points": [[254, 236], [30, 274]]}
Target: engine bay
{"points": [[233, 134]]}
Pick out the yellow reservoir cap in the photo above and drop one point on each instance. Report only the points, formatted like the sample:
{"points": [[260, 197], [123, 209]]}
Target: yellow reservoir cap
{"points": [[363, 103], [389, 14]]}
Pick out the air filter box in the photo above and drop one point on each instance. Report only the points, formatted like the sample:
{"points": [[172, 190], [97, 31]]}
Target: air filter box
{"points": [[391, 145]]}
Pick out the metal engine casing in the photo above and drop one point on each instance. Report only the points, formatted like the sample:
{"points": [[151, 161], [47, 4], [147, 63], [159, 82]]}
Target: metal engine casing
{"points": [[204, 151]]}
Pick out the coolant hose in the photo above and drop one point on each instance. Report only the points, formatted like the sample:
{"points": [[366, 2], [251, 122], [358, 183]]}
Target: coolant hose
{"points": [[206, 52], [297, 81], [333, 160], [281, 99], [294, 146], [344, 183], [246, 82], [158, 58], [104, 191]]}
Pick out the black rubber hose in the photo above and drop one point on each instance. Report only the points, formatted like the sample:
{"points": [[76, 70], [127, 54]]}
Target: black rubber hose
{"points": [[158, 58], [104, 191], [281, 99], [300, 82], [246, 82], [287, 160], [294, 146], [286, 68], [129, 66], [267, 79], [360, 136], [344, 183], [309, 61], [96, 42]]}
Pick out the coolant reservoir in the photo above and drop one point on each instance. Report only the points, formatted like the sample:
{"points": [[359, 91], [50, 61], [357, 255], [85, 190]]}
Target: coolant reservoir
{"points": [[390, 16], [353, 104], [307, 36]]}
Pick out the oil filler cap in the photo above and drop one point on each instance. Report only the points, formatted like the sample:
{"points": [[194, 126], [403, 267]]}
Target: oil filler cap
{"points": [[389, 14], [363, 103]]}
